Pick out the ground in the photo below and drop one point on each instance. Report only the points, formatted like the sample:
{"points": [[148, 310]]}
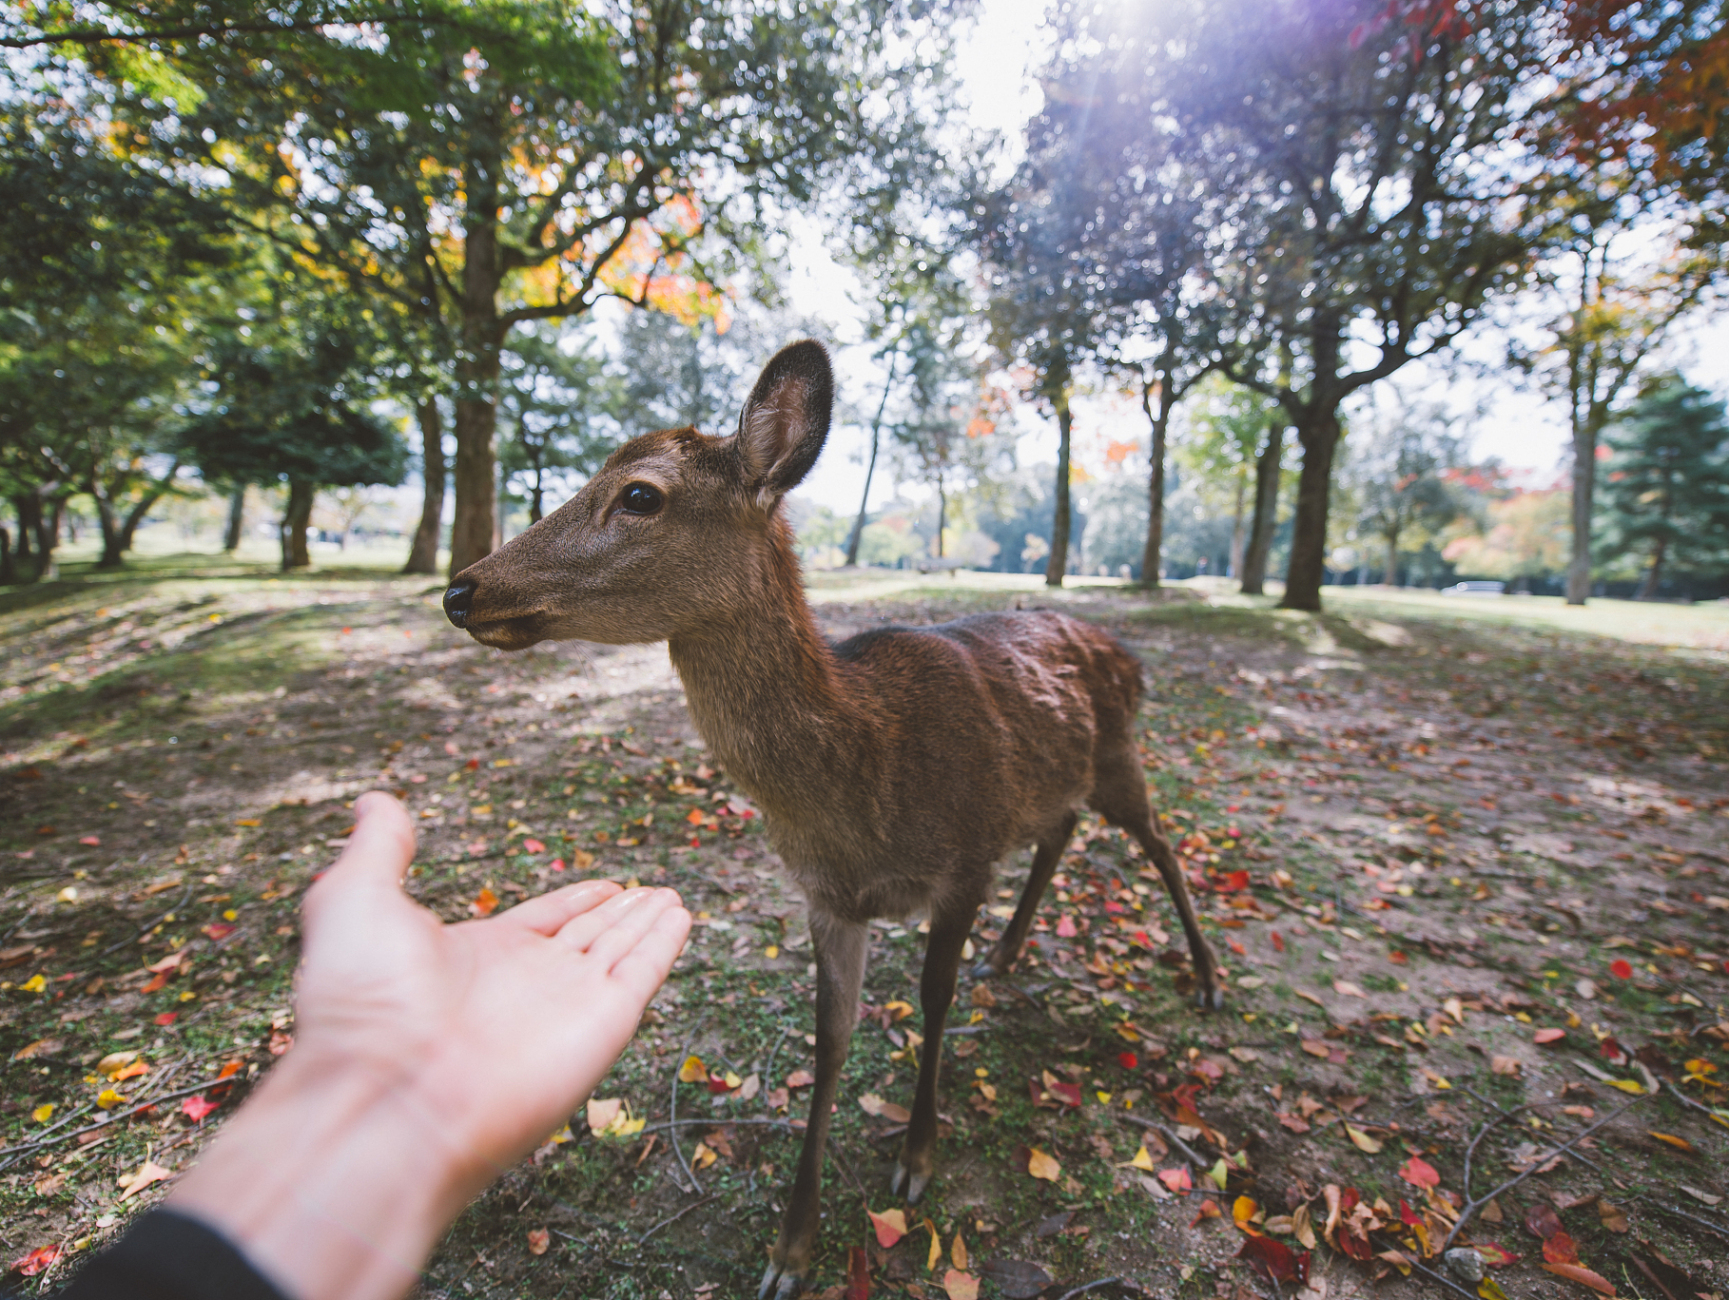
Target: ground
{"points": [[1457, 856]]}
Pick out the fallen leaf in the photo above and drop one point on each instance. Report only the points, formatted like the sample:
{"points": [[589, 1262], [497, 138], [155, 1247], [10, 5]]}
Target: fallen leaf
{"points": [[1419, 1173], [196, 1107], [538, 1240], [874, 1105], [1208, 1210], [694, 1071], [800, 1079], [43, 1113], [1543, 1036], [1584, 1276], [1040, 1165], [1490, 1289], [1542, 1221], [1494, 1256], [1612, 1217], [1243, 1212], [1504, 1065], [36, 1261], [1348, 989], [1128, 1060], [1361, 1140], [1704, 1198], [485, 903], [35, 984], [1621, 969], [149, 1172], [1176, 1179], [958, 1253], [1142, 1160], [1317, 1047], [1560, 1248], [1016, 1279], [1303, 1227], [1679, 1143], [960, 1286], [703, 1156], [533, 846], [91, 840], [1066, 927], [890, 1225], [166, 1018], [216, 931]]}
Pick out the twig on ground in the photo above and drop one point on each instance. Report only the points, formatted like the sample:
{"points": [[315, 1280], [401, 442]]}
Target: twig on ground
{"points": [[1091, 1286], [144, 933], [1532, 1106], [1675, 1092], [674, 1218], [720, 1123], [1682, 1214], [677, 1151], [1172, 1138], [1442, 1279], [114, 1118], [1537, 1164]]}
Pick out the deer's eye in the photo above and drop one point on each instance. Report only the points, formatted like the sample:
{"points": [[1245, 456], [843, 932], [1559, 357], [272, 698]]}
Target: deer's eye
{"points": [[641, 499]]}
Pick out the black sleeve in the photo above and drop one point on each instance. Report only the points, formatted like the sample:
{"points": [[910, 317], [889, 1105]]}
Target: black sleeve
{"points": [[166, 1256]]}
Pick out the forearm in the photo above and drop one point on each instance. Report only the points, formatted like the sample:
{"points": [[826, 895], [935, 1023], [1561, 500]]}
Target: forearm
{"points": [[332, 1182]]}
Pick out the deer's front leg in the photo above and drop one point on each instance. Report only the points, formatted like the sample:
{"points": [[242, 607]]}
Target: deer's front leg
{"points": [[840, 949], [936, 991]]}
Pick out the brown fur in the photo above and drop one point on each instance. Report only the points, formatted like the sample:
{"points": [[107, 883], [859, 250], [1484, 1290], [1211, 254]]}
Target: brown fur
{"points": [[894, 769]]}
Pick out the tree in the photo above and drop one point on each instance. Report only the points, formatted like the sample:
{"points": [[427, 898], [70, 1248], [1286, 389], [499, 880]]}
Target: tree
{"points": [[1364, 195], [510, 161], [1523, 536], [1399, 469], [561, 410], [1666, 495], [1621, 310], [1222, 448]]}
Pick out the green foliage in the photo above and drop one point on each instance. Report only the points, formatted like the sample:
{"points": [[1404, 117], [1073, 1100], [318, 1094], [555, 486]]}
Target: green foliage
{"points": [[1665, 494], [560, 411]]}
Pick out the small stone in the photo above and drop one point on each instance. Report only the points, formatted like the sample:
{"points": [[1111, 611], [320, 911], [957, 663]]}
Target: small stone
{"points": [[1465, 1264]]}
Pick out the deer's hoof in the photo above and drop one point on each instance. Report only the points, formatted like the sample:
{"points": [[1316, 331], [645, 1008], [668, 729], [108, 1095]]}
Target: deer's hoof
{"points": [[1212, 999], [905, 1182], [778, 1285]]}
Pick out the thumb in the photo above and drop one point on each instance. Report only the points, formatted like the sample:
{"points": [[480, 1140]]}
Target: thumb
{"points": [[376, 858]]}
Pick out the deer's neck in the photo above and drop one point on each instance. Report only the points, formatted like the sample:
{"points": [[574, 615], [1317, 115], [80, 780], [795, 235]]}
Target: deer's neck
{"points": [[772, 701]]}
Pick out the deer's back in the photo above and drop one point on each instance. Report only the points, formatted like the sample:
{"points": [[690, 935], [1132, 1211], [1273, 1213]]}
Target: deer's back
{"points": [[985, 734]]}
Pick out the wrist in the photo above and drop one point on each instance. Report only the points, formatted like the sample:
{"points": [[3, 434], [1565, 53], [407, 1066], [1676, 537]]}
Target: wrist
{"points": [[330, 1180]]}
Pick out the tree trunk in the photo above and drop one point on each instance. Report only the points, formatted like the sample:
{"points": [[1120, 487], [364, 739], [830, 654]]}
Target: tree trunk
{"points": [[423, 551], [292, 529], [474, 531], [1058, 564], [46, 539], [942, 514], [1318, 432], [25, 554], [852, 541], [152, 494], [8, 566], [236, 519], [1392, 578], [1152, 555], [1584, 488], [1654, 575], [1266, 510], [1234, 565]]}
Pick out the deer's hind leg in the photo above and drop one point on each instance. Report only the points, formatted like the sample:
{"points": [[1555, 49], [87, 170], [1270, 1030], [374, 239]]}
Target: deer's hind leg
{"points": [[1120, 796], [950, 925], [1045, 858]]}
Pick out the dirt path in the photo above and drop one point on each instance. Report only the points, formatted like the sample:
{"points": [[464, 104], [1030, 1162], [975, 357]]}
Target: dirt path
{"points": [[1451, 868]]}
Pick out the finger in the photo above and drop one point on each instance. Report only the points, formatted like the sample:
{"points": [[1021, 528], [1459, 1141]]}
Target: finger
{"points": [[582, 933], [378, 852], [643, 969], [548, 913], [627, 931]]}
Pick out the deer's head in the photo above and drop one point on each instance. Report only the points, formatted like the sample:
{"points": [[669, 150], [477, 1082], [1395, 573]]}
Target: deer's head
{"points": [[672, 534]]}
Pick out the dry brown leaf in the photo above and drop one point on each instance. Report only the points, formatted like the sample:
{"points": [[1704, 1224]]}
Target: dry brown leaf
{"points": [[1040, 1165]]}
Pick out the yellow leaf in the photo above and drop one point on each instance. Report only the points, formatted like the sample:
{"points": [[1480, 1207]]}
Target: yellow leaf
{"points": [[772, 951], [936, 1252], [702, 1157], [1490, 1289], [602, 1111], [149, 1172], [1243, 1212], [247, 821], [693, 1070], [1302, 1228], [1218, 1174], [958, 1252], [43, 1112], [901, 1010], [1142, 1160], [732, 1080], [1627, 1085], [1361, 1140], [35, 984], [108, 1099], [1040, 1165]]}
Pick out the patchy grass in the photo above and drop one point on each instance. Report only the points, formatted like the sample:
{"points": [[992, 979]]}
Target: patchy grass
{"points": [[1419, 835]]}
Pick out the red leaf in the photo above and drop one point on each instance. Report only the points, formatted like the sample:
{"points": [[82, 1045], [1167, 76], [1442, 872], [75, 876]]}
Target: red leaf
{"points": [[167, 1017], [1274, 1260], [1559, 1249], [1621, 968], [1067, 1093], [858, 1275], [1233, 881], [1278, 940], [533, 846], [1494, 1256], [1176, 1179], [1542, 1221], [1128, 1060], [91, 840], [557, 864], [37, 1260], [157, 984], [1548, 1036], [195, 1108], [1066, 927], [217, 930], [485, 903], [1419, 1173], [472, 764], [1583, 1276]]}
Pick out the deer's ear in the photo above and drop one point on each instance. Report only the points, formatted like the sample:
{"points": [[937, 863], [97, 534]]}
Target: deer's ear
{"points": [[786, 420]]}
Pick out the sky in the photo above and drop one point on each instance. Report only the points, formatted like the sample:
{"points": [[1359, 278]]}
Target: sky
{"points": [[1517, 426]]}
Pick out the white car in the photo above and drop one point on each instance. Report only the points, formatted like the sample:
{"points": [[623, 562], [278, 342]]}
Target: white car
{"points": [[1475, 589]]}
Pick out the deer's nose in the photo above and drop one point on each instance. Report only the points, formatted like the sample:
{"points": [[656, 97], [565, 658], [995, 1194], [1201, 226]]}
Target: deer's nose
{"points": [[458, 599]]}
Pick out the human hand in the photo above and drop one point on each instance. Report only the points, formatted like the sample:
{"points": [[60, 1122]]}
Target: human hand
{"points": [[428, 1059]]}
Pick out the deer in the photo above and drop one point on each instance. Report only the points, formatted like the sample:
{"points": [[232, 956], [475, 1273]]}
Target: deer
{"points": [[894, 770]]}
